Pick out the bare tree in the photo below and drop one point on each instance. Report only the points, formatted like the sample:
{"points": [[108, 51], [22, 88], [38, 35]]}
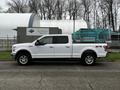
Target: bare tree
{"points": [[45, 8], [34, 5], [109, 4], [59, 7], [103, 9], [73, 8], [18, 6], [87, 10], [48, 7], [70, 8], [106, 14]]}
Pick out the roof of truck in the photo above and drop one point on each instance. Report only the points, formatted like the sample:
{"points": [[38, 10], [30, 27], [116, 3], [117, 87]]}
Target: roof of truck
{"points": [[56, 35]]}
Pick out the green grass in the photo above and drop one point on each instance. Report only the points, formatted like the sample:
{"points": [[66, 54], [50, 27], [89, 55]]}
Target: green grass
{"points": [[113, 57], [5, 55]]}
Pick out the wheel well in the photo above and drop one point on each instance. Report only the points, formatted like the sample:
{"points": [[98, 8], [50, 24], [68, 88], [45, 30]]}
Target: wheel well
{"points": [[89, 51], [22, 51]]}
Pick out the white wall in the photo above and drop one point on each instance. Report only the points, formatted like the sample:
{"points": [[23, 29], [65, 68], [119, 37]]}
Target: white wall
{"points": [[65, 25]]}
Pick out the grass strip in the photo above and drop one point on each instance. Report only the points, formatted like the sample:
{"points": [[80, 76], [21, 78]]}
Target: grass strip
{"points": [[5, 55], [112, 57]]}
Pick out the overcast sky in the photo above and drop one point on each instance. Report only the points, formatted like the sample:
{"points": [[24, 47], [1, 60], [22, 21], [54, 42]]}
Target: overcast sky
{"points": [[3, 4]]}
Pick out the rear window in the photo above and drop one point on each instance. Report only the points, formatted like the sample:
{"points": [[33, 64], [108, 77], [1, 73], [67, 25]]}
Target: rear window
{"points": [[60, 39]]}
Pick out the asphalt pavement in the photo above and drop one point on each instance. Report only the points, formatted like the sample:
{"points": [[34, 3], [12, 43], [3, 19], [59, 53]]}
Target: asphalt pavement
{"points": [[59, 76]]}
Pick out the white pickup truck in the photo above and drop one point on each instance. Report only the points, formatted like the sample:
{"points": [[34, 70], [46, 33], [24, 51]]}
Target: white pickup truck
{"points": [[58, 46]]}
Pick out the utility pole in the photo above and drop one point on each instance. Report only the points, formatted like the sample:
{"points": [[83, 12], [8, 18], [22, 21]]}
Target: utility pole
{"points": [[73, 22], [74, 14], [18, 9], [116, 13], [38, 13], [116, 18], [95, 14]]}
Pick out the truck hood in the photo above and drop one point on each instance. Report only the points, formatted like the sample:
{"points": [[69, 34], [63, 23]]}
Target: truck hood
{"points": [[22, 44]]}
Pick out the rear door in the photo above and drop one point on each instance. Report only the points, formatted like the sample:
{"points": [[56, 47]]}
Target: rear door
{"points": [[62, 47]]}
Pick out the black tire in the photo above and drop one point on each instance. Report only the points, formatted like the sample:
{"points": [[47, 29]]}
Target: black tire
{"points": [[88, 59], [23, 58]]}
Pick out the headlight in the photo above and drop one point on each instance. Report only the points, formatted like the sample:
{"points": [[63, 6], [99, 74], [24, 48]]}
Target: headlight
{"points": [[13, 48]]}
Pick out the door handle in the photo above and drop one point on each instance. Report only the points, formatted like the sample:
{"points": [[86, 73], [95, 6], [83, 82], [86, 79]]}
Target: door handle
{"points": [[67, 46], [51, 47]]}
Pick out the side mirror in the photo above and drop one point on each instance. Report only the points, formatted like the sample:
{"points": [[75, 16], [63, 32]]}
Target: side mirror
{"points": [[38, 43]]}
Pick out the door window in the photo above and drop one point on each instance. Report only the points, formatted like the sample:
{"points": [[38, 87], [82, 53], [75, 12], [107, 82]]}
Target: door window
{"points": [[47, 40], [60, 39]]}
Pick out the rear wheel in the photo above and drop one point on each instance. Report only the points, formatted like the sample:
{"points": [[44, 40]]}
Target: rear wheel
{"points": [[23, 59], [88, 59]]}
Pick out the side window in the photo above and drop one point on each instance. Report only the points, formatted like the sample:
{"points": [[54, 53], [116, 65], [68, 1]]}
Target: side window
{"points": [[60, 39], [47, 40]]}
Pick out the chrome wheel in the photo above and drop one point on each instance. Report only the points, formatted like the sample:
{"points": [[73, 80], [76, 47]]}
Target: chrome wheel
{"points": [[89, 60], [23, 59]]}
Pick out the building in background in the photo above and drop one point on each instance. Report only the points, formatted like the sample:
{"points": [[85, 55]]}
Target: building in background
{"points": [[9, 24], [27, 27]]}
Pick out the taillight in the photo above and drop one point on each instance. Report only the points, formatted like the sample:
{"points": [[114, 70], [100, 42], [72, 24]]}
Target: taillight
{"points": [[106, 47]]}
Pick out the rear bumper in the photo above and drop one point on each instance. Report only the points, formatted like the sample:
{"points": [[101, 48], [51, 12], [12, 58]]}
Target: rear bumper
{"points": [[103, 54]]}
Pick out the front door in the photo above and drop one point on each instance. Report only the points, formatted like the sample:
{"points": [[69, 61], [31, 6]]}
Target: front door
{"points": [[45, 50]]}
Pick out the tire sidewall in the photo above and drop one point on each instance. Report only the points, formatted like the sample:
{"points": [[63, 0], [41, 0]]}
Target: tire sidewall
{"points": [[23, 54], [84, 62]]}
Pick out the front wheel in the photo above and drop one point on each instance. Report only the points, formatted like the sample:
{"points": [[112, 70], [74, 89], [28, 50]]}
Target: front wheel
{"points": [[88, 59], [23, 59]]}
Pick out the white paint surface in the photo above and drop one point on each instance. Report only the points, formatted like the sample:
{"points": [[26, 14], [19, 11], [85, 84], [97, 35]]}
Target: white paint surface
{"points": [[65, 25]]}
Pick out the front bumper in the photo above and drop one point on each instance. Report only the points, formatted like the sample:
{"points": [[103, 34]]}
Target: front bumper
{"points": [[13, 55]]}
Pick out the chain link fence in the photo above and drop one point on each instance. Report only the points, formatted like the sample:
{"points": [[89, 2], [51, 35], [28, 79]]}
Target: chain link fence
{"points": [[7, 42]]}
